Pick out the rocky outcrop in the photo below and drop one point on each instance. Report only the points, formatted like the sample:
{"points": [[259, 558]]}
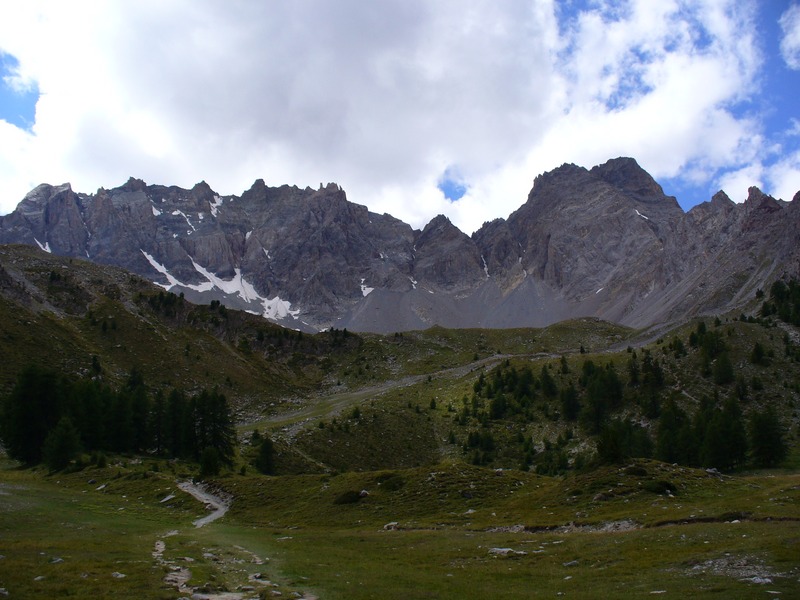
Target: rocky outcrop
{"points": [[604, 242]]}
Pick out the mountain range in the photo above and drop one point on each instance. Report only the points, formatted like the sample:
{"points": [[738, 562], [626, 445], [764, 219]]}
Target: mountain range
{"points": [[605, 242]]}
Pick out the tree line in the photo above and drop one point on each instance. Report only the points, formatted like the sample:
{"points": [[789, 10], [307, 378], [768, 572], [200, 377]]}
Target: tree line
{"points": [[50, 417], [716, 434]]}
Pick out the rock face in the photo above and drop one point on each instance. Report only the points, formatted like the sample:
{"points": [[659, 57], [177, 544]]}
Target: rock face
{"points": [[605, 242]]}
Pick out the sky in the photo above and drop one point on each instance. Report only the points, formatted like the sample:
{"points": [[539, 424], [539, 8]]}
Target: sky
{"points": [[415, 107]]}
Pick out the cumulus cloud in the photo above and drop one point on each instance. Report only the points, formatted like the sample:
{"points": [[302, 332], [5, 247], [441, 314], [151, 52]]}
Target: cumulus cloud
{"points": [[790, 43], [382, 98]]}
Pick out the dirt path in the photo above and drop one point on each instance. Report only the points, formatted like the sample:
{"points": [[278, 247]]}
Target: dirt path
{"points": [[329, 405], [219, 505]]}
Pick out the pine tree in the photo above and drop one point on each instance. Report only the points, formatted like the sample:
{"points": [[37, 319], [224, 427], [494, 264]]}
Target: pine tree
{"points": [[766, 438], [570, 404], [549, 387], [158, 418], [723, 370], [668, 442], [265, 461], [725, 441], [758, 356], [176, 442], [34, 406], [140, 408], [214, 425], [210, 464], [61, 445]]}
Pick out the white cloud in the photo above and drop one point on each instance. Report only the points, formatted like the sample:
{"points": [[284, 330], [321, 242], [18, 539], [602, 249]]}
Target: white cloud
{"points": [[784, 177], [790, 43], [736, 183], [381, 98]]}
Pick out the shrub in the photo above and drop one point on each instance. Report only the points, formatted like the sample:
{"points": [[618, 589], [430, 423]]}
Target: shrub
{"points": [[348, 497], [660, 487]]}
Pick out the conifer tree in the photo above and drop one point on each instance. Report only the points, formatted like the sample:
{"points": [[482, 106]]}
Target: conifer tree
{"points": [[265, 461], [30, 411], [766, 438], [668, 440], [61, 445], [723, 370]]}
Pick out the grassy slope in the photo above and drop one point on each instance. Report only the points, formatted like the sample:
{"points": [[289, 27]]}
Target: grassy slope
{"points": [[396, 448]]}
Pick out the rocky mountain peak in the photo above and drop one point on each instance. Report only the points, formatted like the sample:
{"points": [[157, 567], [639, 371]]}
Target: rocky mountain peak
{"points": [[257, 192], [134, 185], [758, 200], [36, 200], [625, 174], [720, 200], [605, 242], [438, 225]]}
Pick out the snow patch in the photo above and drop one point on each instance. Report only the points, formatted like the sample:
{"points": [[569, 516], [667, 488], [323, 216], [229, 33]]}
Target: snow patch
{"points": [[364, 289], [278, 309], [267, 253], [46, 246], [485, 267], [215, 205], [641, 215], [275, 308], [237, 285], [178, 212], [600, 290], [247, 235], [156, 212], [161, 269], [413, 282]]}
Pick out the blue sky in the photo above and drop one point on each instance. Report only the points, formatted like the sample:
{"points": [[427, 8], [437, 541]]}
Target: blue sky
{"points": [[415, 108], [17, 104]]}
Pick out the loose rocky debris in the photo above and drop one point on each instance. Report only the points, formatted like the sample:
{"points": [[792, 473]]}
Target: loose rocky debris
{"points": [[572, 527], [744, 568], [506, 552], [235, 581]]}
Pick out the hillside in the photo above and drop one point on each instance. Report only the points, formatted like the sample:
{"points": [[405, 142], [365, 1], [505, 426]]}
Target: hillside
{"points": [[535, 398], [453, 463]]}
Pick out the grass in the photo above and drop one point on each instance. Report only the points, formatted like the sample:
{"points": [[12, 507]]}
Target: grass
{"points": [[292, 531], [686, 560], [58, 541]]}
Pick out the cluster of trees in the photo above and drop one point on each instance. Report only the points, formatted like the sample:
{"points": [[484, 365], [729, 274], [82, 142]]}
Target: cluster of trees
{"points": [[166, 303], [511, 392], [715, 435], [714, 358], [49, 417], [784, 302]]}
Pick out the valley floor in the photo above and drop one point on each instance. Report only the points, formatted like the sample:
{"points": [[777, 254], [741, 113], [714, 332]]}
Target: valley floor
{"points": [[129, 531]]}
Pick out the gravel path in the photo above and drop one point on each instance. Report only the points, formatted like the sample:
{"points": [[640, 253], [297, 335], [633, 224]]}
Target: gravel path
{"points": [[218, 504]]}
